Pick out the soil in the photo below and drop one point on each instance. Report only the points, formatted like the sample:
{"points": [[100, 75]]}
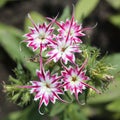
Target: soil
{"points": [[105, 36]]}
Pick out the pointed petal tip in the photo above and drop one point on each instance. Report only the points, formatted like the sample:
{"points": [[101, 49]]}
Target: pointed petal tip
{"points": [[41, 113], [29, 15], [20, 48], [37, 70], [80, 103]]}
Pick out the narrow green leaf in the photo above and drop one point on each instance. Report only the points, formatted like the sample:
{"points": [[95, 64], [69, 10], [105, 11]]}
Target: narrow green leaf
{"points": [[12, 30], [13, 116], [2, 3], [114, 106], [7, 41], [114, 3], [10, 39], [84, 8], [115, 19], [115, 61], [65, 14], [111, 94]]}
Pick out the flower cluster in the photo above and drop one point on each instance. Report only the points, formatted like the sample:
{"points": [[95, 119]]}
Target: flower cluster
{"points": [[60, 47]]}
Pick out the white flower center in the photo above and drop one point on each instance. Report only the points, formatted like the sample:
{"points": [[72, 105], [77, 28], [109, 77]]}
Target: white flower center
{"points": [[40, 38], [74, 80], [46, 87]]}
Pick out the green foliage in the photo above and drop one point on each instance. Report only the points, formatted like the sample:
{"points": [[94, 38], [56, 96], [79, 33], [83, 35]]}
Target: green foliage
{"points": [[114, 3], [84, 8], [110, 94], [10, 39], [97, 69], [114, 106], [113, 92], [57, 109], [66, 14], [29, 113], [114, 60], [68, 111], [13, 91], [115, 19], [73, 112], [2, 3], [7, 41]]}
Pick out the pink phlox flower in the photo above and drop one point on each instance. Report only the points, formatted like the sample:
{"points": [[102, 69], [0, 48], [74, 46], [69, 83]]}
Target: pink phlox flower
{"points": [[74, 79], [48, 88], [39, 34], [63, 49]]}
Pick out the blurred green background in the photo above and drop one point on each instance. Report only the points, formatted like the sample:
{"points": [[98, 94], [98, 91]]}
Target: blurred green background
{"points": [[106, 36]]}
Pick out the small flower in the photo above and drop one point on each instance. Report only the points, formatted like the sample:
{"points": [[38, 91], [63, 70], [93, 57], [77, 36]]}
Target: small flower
{"points": [[39, 34], [63, 49], [48, 88], [75, 80]]}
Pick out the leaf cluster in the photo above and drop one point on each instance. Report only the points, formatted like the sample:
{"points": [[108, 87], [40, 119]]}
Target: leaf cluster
{"points": [[14, 92]]}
